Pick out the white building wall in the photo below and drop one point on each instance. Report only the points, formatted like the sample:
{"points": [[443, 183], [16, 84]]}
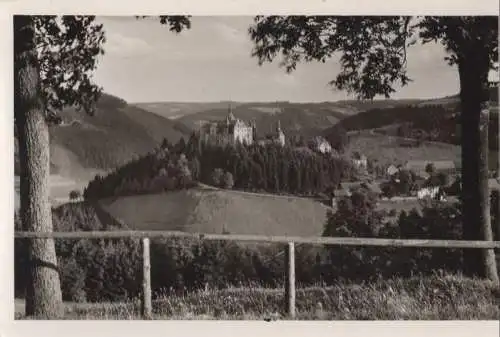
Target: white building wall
{"points": [[325, 147], [281, 139], [243, 133], [427, 192]]}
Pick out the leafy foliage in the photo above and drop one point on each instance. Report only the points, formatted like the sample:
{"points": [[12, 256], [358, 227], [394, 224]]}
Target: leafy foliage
{"points": [[372, 49], [434, 221], [175, 23], [67, 48], [90, 270], [75, 195]]}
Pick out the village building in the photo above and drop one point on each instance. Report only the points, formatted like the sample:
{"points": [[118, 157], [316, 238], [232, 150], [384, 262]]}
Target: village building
{"points": [[392, 170], [432, 188], [359, 160], [428, 192]]}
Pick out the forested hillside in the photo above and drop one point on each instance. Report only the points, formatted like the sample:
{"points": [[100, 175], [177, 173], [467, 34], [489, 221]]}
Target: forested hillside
{"points": [[116, 133]]}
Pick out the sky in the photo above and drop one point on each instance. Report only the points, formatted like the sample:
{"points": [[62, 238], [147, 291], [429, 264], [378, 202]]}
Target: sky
{"points": [[144, 62]]}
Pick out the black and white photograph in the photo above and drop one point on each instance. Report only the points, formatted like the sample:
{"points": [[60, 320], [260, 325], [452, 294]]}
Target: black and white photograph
{"points": [[255, 167]]}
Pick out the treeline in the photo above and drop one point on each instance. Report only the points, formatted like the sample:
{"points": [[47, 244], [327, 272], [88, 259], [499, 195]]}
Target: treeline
{"points": [[166, 168], [110, 270], [269, 168], [424, 116], [425, 123], [273, 168], [446, 129]]}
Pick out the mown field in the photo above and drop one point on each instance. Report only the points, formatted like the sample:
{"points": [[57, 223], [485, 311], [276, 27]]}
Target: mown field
{"points": [[440, 297], [203, 210], [387, 149], [211, 210]]}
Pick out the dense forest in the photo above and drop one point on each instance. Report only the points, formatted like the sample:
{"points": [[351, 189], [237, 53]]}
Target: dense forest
{"points": [[165, 168], [269, 168], [116, 132], [272, 168]]}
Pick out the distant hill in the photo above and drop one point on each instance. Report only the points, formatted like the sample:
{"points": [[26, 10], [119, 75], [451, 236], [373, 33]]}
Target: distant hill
{"points": [[117, 132], [383, 133], [363, 105], [175, 110], [437, 118], [202, 210], [306, 119], [380, 115], [295, 119]]}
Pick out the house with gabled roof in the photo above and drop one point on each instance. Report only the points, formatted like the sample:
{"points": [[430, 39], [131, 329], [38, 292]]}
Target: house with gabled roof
{"points": [[392, 170]]}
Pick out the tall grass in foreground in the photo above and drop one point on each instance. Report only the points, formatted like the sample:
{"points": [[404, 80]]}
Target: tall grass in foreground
{"points": [[439, 297]]}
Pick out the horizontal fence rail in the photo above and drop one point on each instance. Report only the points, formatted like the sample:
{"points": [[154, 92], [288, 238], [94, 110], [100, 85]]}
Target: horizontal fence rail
{"points": [[290, 241], [335, 241]]}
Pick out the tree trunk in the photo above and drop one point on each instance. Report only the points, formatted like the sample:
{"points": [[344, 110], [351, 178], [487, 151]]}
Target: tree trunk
{"points": [[474, 96], [43, 293]]}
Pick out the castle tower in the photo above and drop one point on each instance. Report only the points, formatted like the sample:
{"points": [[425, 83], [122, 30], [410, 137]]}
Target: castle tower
{"points": [[254, 130], [280, 136], [230, 116]]}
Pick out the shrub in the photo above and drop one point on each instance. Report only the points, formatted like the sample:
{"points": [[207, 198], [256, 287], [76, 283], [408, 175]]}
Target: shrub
{"points": [[89, 269], [75, 195], [388, 190]]}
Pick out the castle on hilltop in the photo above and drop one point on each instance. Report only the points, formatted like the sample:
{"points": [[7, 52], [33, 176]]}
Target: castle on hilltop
{"points": [[234, 130]]}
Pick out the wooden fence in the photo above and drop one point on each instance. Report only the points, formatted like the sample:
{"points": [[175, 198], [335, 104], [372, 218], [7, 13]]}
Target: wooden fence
{"points": [[289, 241]]}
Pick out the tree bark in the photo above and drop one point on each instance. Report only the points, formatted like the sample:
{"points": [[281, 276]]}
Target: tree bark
{"points": [[474, 96], [43, 293]]}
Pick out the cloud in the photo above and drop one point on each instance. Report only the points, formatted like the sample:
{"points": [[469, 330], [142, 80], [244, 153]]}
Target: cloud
{"points": [[231, 34], [212, 61], [126, 45]]}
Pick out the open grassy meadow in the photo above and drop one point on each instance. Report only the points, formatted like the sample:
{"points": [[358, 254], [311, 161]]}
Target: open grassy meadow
{"points": [[203, 210], [440, 297], [387, 149]]}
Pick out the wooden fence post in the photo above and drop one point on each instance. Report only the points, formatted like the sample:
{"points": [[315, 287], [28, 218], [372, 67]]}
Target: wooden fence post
{"points": [[290, 279], [146, 307]]}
